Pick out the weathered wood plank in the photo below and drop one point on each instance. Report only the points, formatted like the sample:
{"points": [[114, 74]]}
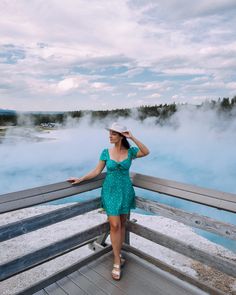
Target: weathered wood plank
{"points": [[177, 273], [101, 281], [30, 224], [195, 197], [41, 292], [165, 282], [127, 233], [100, 241], [203, 222], [140, 277], [222, 264], [62, 273], [44, 254], [231, 197], [217, 199], [40, 190], [70, 287], [35, 191], [85, 284], [43, 198], [54, 289], [130, 283]]}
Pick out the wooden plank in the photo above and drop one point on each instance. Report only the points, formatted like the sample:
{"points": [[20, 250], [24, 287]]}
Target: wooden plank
{"points": [[101, 281], [143, 280], [217, 199], [139, 277], [203, 222], [177, 273], [129, 283], [54, 289], [47, 253], [127, 233], [35, 191], [70, 287], [62, 273], [44, 198], [85, 283], [231, 197], [30, 224], [222, 264], [41, 292], [166, 283], [101, 241], [40, 190], [186, 195]]}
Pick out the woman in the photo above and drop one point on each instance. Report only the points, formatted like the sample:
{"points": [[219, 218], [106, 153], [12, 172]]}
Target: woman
{"points": [[117, 195]]}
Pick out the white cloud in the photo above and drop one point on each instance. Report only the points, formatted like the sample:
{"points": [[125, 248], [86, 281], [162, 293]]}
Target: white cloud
{"points": [[154, 95], [231, 85], [116, 47], [70, 83], [183, 71], [101, 86]]}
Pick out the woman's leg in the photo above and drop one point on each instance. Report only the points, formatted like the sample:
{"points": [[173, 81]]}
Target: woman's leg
{"points": [[115, 234]]}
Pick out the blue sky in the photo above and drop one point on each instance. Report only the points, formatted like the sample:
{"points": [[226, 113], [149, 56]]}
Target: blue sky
{"points": [[71, 55]]}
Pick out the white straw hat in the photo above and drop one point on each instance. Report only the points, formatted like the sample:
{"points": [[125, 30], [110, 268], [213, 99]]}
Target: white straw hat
{"points": [[117, 127]]}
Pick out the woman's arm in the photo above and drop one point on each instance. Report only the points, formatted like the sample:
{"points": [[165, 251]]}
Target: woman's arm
{"points": [[144, 151], [93, 173]]}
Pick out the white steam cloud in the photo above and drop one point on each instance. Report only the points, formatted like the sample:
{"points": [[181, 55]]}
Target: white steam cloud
{"points": [[196, 147]]}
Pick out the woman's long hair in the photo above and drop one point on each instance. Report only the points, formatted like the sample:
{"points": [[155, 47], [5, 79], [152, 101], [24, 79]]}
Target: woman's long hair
{"points": [[125, 142]]}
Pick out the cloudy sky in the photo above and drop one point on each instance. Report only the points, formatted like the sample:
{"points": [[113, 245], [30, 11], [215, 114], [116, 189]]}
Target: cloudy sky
{"points": [[72, 54]]}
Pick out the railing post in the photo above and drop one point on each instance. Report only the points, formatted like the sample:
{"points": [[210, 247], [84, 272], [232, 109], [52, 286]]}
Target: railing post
{"points": [[127, 232], [100, 242]]}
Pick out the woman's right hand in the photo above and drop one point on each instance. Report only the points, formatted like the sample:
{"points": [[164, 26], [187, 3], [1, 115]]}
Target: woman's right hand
{"points": [[74, 180]]}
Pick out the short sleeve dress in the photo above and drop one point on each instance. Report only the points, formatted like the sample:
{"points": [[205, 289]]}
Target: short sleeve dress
{"points": [[117, 194]]}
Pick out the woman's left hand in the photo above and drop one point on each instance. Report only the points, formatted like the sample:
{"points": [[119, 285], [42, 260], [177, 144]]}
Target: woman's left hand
{"points": [[127, 134]]}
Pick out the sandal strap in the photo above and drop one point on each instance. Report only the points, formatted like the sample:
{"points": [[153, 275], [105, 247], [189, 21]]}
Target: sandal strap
{"points": [[116, 265], [116, 272]]}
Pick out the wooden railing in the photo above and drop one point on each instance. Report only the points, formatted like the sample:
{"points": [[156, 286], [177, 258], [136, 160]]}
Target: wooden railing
{"points": [[97, 234]]}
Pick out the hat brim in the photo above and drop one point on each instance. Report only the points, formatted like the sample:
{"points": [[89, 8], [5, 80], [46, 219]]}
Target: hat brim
{"points": [[115, 130]]}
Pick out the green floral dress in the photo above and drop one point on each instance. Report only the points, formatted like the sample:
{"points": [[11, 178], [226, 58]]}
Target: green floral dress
{"points": [[118, 195]]}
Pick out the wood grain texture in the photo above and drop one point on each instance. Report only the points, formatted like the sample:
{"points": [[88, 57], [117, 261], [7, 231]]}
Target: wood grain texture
{"points": [[47, 282], [47, 253], [224, 265], [176, 272], [192, 219], [30, 224], [209, 197]]}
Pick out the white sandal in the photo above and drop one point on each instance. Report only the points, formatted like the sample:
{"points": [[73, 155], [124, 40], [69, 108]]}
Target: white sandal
{"points": [[116, 271]]}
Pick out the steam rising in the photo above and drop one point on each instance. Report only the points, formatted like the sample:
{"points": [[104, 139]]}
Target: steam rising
{"points": [[195, 146]]}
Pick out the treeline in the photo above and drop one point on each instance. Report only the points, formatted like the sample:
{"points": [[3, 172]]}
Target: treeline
{"points": [[36, 119], [225, 104], [8, 119], [161, 112]]}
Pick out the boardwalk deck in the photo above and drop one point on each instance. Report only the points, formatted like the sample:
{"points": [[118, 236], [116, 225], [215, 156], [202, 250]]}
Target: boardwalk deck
{"points": [[142, 274], [138, 277]]}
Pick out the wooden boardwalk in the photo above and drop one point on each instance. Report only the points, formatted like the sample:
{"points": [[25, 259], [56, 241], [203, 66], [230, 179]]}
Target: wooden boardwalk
{"points": [[138, 277], [142, 273]]}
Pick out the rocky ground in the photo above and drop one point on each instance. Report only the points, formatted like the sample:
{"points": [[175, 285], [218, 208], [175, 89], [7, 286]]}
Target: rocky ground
{"points": [[40, 238]]}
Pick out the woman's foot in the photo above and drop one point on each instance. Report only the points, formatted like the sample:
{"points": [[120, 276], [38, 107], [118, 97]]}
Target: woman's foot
{"points": [[116, 271]]}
